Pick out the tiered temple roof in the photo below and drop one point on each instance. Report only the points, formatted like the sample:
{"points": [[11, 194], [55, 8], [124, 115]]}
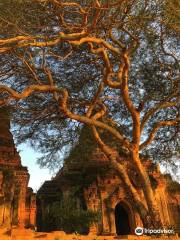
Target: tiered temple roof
{"points": [[18, 212]]}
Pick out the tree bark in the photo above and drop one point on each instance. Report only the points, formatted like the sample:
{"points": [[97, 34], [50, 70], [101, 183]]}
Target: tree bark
{"points": [[148, 192], [139, 205], [148, 218]]}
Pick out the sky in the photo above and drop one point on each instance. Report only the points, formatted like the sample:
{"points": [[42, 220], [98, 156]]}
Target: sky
{"points": [[37, 174]]}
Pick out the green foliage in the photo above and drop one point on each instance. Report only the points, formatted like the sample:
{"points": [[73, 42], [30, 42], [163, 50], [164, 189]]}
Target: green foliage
{"points": [[66, 215]]}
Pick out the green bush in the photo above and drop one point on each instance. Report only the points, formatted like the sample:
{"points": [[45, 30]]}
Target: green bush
{"points": [[69, 217]]}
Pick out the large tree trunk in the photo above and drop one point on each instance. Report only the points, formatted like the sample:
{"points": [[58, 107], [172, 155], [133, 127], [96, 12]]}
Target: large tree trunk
{"points": [[139, 205], [149, 216], [148, 192]]}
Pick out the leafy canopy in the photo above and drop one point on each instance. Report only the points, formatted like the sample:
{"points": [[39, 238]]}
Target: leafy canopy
{"points": [[148, 30]]}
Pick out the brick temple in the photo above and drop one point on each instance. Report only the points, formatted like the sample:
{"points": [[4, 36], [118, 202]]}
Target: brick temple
{"points": [[17, 200], [86, 171], [107, 194]]}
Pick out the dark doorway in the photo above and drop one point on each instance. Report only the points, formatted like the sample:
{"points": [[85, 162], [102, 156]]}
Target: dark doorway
{"points": [[122, 220]]}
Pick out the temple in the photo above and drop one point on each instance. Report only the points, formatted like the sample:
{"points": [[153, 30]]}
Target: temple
{"points": [[87, 184], [17, 201], [87, 177]]}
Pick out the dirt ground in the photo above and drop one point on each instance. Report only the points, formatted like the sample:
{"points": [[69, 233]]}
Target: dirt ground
{"points": [[24, 234]]}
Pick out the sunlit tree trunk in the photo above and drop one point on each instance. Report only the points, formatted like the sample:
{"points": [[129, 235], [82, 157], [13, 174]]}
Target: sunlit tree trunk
{"points": [[137, 201], [148, 192]]}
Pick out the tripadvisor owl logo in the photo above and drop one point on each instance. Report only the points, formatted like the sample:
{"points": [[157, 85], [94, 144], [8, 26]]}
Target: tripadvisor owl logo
{"points": [[139, 231]]}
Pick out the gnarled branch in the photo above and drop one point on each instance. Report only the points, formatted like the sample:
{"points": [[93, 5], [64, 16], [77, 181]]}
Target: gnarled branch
{"points": [[158, 107], [172, 122], [90, 121], [26, 93]]}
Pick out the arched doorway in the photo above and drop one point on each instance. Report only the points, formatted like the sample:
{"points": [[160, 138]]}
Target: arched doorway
{"points": [[122, 220]]}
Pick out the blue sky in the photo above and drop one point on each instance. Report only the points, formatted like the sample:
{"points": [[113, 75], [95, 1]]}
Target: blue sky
{"points": [[37, 174]]}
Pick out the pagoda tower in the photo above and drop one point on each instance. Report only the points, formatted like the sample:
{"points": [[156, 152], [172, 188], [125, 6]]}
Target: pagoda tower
{"points": [[14, 179], [8, 152]]}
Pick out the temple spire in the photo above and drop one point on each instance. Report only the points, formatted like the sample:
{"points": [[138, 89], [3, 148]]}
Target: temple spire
{"points": [[8, 151], [5, 125]]}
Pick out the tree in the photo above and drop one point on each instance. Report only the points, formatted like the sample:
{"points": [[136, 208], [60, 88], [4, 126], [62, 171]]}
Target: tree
{"points": [[125, 83]]}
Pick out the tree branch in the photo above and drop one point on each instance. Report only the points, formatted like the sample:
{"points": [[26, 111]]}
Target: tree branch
{"points": [[26, 93], [37, 41], [125, 94], [95, 99], [98, 41], [153, 110], [155, 128], [120, 168], [90, 121]]}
